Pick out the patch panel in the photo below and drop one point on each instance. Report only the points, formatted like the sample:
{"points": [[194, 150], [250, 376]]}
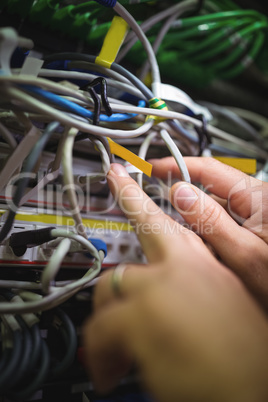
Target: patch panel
{"points": [[122, 243]]}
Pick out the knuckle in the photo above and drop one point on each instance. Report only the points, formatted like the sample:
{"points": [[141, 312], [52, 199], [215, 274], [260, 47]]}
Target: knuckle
{"points": [[211, 215]]}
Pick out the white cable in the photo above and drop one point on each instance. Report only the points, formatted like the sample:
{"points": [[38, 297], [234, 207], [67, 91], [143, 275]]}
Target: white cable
{"points": [[149, 23], [100, 69], [53, 266], [19, 154], [175, 152], [162, 33], [43, 83], [146, 44], [187, 119], [248, 115], [68, 180], [104, 157], [143, 152], [76, 75], [38, 303], [66, 120], [97, 177], [52, 174], [80, 239], [19, 284]]}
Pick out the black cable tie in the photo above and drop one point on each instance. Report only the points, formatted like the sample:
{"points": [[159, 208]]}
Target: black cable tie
{"points": [[103, 84], [203, 134], [19, 242], [97, 106]]}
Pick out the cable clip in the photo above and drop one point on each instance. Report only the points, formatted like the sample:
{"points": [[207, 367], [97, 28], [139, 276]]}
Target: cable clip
{"points": [[203, 134], [97, 105]]}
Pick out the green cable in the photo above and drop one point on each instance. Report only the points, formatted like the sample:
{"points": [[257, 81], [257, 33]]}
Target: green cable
{"points": [[229, 28], [247, 60], [191, 21], [181, 44], [86, 7], [194, 32], [232, 40], [234, 55], [216, 37], [227, 4], [98, 31], [43, 10], [67, 20], [83, 24]]}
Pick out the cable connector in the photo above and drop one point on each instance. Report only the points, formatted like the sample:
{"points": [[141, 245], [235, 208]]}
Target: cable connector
{"points": [[99, 244], [19, 242]]}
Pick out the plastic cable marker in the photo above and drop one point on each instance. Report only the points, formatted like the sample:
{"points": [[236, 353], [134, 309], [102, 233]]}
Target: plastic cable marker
{"points": [[246, 165], [112, 42], [128, 156], [156, 103]]}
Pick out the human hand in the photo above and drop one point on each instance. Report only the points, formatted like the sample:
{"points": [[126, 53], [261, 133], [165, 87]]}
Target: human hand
{"points": [[238, 228], [187, 322]]}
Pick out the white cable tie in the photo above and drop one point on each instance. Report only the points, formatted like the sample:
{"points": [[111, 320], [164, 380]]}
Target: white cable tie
{"points": [[31, 66], [173, 94]]}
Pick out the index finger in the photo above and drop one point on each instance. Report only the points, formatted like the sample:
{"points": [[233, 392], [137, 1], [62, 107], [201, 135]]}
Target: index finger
{"points": [[215, 176], [151, 224]]}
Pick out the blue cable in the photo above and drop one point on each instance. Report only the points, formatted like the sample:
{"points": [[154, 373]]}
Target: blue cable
{"points": [[76, 109]]}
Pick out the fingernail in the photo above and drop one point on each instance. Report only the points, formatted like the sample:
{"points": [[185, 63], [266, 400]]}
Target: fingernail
{"points": [[119, 170], [184, 196]]}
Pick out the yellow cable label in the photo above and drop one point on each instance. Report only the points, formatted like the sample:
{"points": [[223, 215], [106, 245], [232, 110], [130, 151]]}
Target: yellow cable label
{"points": [[246, 165], [112, 42], [130, 157]]}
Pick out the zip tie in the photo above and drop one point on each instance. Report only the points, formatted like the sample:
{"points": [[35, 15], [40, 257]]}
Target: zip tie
{"points": [[130, 157], [156, 103], [112, 42]]}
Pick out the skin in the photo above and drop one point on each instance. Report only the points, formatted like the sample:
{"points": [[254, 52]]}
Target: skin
{"points": [[238, 219], [188, 323]]}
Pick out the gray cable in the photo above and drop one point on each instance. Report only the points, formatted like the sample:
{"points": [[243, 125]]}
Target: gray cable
{"points": [[146, 44], [175, 152], [162, 33], [149, 23], [235, 119]]}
